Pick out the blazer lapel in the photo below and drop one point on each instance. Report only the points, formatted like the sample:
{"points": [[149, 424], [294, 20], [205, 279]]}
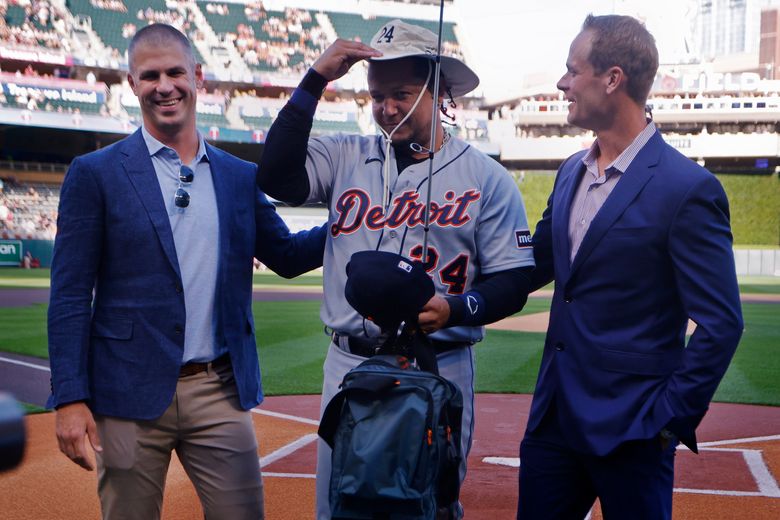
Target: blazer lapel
{"points": [[627, 189], [223, 192], [572, 174], [140, 171]]}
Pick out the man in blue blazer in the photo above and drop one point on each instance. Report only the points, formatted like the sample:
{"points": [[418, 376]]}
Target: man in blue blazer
{"points": [[151, 335], [637, 239]]}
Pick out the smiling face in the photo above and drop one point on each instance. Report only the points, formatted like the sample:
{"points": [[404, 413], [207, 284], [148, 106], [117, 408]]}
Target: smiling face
{"points": [[165, 78], [584, 88], [394, 88]]}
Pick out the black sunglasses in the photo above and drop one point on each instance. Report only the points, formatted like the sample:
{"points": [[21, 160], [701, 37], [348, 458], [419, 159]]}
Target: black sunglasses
{"points": [[182, 198]]}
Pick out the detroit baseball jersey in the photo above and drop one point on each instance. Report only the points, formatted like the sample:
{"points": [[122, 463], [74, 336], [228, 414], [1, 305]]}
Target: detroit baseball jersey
{"points": [[478, 226], [478, 222]]}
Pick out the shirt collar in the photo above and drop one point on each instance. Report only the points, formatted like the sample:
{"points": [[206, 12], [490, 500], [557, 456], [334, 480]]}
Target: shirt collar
{"points": [[627, 156], [154, 146]]}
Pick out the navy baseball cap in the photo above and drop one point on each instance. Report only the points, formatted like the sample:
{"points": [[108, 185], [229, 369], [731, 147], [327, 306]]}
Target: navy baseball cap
{"points": [[387, 288]]}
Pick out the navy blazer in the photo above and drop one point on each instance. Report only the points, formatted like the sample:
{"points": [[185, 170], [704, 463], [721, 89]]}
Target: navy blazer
{"points": [[657, 253], [121, 349]]}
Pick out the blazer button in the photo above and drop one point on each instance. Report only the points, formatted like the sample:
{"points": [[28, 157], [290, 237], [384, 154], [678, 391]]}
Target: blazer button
{"points": [[178, 329], [567, 298], [179, 288], [560, 347]]}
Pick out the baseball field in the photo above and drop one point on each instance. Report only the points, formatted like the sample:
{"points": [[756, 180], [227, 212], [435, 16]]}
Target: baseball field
{"points": [[735, 475]]}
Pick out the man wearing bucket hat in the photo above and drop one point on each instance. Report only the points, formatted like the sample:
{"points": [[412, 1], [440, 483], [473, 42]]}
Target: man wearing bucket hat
{"points": [[478, 251]]}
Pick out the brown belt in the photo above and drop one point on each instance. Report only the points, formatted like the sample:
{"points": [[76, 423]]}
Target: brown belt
{"points": [[192, 368]]}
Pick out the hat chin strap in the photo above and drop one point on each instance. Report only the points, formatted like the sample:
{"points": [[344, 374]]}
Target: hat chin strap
{"points": [[389, 143]]}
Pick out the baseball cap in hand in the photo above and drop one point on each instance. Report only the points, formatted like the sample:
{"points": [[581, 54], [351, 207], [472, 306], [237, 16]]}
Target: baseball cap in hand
{"points": [[397, 39], [387, 288]]}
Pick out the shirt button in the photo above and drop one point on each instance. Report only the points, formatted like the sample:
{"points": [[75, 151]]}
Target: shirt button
{"points": [[393, 234]]}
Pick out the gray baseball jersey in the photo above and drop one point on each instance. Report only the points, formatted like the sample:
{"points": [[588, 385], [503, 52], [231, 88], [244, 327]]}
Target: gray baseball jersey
{"points": [[478, 223]]}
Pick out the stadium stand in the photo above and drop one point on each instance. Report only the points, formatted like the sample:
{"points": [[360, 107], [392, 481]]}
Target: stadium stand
{"points": [[267, 40], [28, 211], [31, 24], [258, 52], [354, 26], [116, 21], [331, 117]]}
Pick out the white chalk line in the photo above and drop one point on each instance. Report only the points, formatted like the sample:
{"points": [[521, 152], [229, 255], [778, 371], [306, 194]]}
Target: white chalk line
{"points": [[766, 483], [24, 364], [754, 459]]}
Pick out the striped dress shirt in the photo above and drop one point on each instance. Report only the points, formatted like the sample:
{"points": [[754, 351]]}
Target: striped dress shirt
{"points": [[594, 189]]}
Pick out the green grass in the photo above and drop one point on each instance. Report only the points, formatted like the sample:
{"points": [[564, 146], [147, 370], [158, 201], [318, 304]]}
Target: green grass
{"points": [[507, 361], [27, 278], [30, 409], [292, 348], [36, 278], [270, 279], [759, 285], [535, 187], [13, 277], [752, 376], [23, 330]]}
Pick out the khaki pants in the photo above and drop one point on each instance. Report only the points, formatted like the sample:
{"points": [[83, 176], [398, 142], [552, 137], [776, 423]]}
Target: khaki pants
{"points": [[214, 439]]}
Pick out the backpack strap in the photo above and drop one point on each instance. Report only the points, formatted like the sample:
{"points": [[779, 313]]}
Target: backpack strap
{"points": [[368, 383]]}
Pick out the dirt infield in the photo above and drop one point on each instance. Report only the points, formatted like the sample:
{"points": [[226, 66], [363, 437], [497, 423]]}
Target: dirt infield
{"points": [[735, 476]]}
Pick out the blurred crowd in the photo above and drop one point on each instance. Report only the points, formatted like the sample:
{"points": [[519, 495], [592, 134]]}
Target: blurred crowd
{"points": [[28, 211], [33, 23]]}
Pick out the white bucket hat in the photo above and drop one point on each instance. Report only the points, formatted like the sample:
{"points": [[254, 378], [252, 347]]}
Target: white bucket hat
{"points": [[397, 39]]}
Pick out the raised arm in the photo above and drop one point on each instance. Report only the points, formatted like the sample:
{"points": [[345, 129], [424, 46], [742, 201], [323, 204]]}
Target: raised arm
{"points": [[282, 168], [287, 254]]}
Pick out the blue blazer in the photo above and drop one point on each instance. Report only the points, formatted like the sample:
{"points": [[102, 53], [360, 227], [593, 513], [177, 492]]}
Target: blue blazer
{"points": [[657, 253], [121, 349]]}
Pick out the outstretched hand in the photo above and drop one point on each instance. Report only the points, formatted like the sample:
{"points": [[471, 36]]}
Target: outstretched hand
{"points": [[339, 57], [74, 425], [434, 315]]}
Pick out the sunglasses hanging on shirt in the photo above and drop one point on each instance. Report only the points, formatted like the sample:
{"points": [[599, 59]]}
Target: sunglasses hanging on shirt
{"points": [[182, 197]]}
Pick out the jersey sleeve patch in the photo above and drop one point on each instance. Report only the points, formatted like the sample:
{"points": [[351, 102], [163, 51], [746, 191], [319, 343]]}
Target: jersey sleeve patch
{"points": [[523, 239]]}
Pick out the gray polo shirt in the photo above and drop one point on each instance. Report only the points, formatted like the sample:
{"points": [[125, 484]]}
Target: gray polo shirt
{"points": [[196, 236], [594, 189]]}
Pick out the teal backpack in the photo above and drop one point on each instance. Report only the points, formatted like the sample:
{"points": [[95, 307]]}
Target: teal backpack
{"points": [[395, 434]]}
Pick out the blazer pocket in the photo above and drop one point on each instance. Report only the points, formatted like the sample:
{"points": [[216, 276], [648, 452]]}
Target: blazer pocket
{"points": [[112, 328], [640, 363]]}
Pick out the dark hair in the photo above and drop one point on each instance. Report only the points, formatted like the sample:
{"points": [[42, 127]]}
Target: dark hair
{"points": [[624, 42], [160, 34]]}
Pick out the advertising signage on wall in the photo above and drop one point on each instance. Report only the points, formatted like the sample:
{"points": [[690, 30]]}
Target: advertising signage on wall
{"points": [[10, 252], [52, 89], [39, 56]]}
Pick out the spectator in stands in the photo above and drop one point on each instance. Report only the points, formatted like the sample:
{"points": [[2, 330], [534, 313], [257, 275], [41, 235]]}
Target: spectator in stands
{"points": [[77, 117], [183, 380]]}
